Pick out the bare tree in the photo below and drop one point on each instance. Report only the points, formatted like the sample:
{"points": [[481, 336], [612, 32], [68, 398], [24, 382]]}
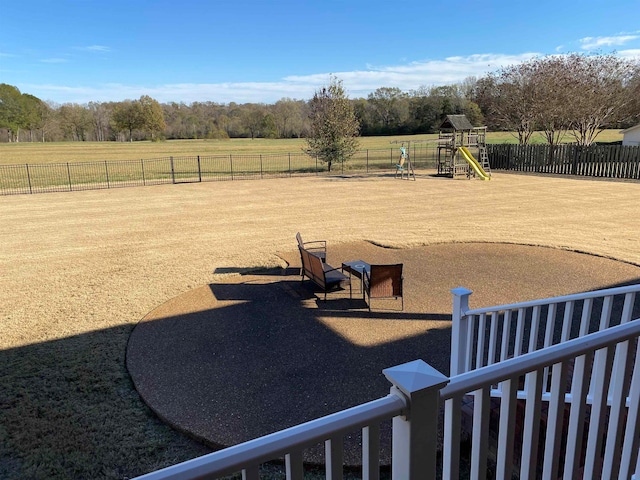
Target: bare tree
{"points": [[100, 115], [286, 115], [552, 80], [631, 113], [599, 93], [512, 99], [49, 129]]}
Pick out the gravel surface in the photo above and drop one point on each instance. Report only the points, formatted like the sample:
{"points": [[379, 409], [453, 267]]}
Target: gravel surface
{"points": [[253, 354]]}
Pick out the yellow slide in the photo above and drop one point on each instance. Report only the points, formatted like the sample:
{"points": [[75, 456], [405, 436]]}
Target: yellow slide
{"points": [[466, 154]]}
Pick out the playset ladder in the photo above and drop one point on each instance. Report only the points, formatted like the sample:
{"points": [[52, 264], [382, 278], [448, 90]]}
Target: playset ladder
{"points": [[484, 159]]}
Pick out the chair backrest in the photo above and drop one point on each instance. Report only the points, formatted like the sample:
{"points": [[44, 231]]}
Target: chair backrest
{"points": [[316, 267], [304, 258], [299, 238], [385, 281]]}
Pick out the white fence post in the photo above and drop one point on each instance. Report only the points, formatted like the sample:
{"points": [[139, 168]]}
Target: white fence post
{"points": [[459, 331], [414, 444]]}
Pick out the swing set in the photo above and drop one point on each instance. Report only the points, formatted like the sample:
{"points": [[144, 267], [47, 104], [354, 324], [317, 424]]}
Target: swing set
{"points": [[404, 166]]}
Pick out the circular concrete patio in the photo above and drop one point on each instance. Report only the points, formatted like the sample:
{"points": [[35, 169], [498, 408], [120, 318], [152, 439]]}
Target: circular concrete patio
{"points": [[255, 353]]}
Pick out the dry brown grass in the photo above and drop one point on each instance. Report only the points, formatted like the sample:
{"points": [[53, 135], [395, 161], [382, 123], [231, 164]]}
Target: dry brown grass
{"points": [[79, 270], [62, 152]]}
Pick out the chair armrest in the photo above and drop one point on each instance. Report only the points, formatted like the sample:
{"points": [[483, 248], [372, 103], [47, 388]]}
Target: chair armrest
{"points": [[312, 244], [330, 269]]}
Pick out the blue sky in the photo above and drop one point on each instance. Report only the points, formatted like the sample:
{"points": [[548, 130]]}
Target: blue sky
{"points": [[260, 51]]}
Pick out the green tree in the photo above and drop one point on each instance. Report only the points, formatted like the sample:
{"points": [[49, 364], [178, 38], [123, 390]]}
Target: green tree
{"points": [[424, 111], [34, 112], [473, 113], [11, 111], [151, 116], [268, 128], [144, 114], [364, 115], [127, 117], [334, 127], [252, 116], [75, 121], [390, 108]]}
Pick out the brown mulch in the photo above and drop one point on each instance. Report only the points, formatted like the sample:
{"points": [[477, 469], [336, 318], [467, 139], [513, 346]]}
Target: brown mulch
{"points": [[256, 353]]}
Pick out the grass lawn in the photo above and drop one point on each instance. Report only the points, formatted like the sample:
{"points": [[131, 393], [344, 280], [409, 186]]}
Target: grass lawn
{"points": [[62, 152], [79, 270]]}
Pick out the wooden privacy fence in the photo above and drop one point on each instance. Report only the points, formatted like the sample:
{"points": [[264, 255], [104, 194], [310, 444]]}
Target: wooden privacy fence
{"points": [[609, 161], [73, 176]]}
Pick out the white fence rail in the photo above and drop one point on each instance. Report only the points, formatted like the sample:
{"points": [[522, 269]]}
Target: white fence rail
{"points": [[558, 409], [485, 336], [247, 457], [555, 439], [414, 440]]}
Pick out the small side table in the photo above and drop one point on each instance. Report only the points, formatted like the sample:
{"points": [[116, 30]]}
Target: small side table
{"points": [[357, 268]]}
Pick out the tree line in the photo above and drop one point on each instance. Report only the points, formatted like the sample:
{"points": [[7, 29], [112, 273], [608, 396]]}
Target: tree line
{"points": [[566, 95]]}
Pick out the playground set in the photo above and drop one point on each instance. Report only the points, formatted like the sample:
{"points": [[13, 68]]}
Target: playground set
{"points": [[456, 137]]}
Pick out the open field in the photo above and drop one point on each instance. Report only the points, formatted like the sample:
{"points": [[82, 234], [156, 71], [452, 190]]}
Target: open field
{"points": [[35, 153], [79, 270]]}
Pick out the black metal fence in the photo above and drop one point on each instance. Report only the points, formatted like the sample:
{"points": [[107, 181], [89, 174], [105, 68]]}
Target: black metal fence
{"points": [[609, 161], [72, 176]]}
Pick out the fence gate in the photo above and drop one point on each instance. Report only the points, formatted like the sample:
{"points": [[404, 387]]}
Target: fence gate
{"points": [[185, 169]]}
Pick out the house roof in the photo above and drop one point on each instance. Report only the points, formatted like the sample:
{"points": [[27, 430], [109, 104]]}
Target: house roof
{"points": [[630, 129], [457, 122]]}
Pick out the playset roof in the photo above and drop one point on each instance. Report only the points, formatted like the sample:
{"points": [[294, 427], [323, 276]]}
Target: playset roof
{"points": [[456, 122]]}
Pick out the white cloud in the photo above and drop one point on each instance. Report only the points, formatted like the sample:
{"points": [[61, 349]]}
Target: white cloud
{"points": [[358, 83], [630, 54], [590, 43], [415, 74], [94, 48]]}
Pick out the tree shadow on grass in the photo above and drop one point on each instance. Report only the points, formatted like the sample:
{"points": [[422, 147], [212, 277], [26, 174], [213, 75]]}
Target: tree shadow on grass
{"points": [[68, 409]]}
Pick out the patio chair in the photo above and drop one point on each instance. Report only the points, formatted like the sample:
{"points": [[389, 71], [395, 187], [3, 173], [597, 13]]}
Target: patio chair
{"points": [[322, 274], [317, 247], [383, 281]]}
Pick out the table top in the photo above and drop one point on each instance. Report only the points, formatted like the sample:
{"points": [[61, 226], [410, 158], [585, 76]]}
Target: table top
{"points": [[358, 266]]}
